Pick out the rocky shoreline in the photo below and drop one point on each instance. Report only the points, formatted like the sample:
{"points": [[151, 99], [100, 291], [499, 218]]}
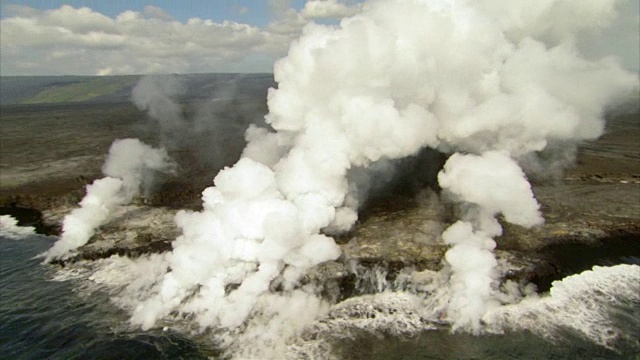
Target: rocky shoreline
{"points": [[408, 238]]}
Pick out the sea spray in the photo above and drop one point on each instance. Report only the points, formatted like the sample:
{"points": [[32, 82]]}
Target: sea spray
{"points": [[129, 169]]}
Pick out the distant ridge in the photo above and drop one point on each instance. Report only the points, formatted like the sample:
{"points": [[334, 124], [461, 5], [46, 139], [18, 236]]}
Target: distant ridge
{"points": [[15, 90]]}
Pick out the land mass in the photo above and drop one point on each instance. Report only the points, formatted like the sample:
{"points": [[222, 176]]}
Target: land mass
{"points": [[56, 134]]}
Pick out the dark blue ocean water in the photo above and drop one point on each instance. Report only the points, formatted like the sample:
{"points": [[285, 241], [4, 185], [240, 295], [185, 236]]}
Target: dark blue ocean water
{"points": [[45, 319]]}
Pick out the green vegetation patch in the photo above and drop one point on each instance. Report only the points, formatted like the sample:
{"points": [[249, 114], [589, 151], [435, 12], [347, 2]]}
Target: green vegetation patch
{"points": [[83, 90]]}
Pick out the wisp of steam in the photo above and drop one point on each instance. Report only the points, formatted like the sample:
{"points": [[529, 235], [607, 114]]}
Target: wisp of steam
{"points": [[491, 83]]}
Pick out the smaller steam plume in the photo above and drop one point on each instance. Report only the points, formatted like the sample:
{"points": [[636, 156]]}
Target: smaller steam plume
{"points": [[486, 185], [130, 170]]}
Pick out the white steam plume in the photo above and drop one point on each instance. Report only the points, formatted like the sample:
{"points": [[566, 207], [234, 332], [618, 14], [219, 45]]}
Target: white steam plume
{"points": [[491, 184], [489, 78], [129, 169]]}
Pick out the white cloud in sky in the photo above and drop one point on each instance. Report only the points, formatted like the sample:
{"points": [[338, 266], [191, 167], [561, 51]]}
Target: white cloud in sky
{"points": [[72, 40], [155, 12], [78, 41], [280, 8], [319, 9]]}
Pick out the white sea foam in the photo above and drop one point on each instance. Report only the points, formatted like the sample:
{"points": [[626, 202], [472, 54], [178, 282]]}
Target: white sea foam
{"points": [[583, 302], [9, 228]]}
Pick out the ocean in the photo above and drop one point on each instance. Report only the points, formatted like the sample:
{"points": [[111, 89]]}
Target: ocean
{"points": [[41, 318], [44, 316]]}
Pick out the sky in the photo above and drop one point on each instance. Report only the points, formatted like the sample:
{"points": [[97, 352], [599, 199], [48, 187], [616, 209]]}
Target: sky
{"points": [[253, 12], [102, 37]]}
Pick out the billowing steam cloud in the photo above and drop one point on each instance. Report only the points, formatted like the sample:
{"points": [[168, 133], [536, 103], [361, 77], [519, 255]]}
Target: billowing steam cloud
{"points": [[129, 169], [490, 82]]}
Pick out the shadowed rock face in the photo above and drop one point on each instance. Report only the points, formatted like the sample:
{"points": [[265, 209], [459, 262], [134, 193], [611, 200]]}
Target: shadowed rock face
{"points": [[597, 200]]}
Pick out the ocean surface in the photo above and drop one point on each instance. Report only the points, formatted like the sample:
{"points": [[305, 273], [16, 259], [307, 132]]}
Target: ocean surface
{"points": [[42, 317]]}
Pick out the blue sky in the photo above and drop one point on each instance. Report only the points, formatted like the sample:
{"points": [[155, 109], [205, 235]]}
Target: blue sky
{"points": [[254, 12]]}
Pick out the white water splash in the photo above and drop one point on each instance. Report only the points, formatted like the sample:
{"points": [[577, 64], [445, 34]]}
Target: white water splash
{"points": [[9, 228]]}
